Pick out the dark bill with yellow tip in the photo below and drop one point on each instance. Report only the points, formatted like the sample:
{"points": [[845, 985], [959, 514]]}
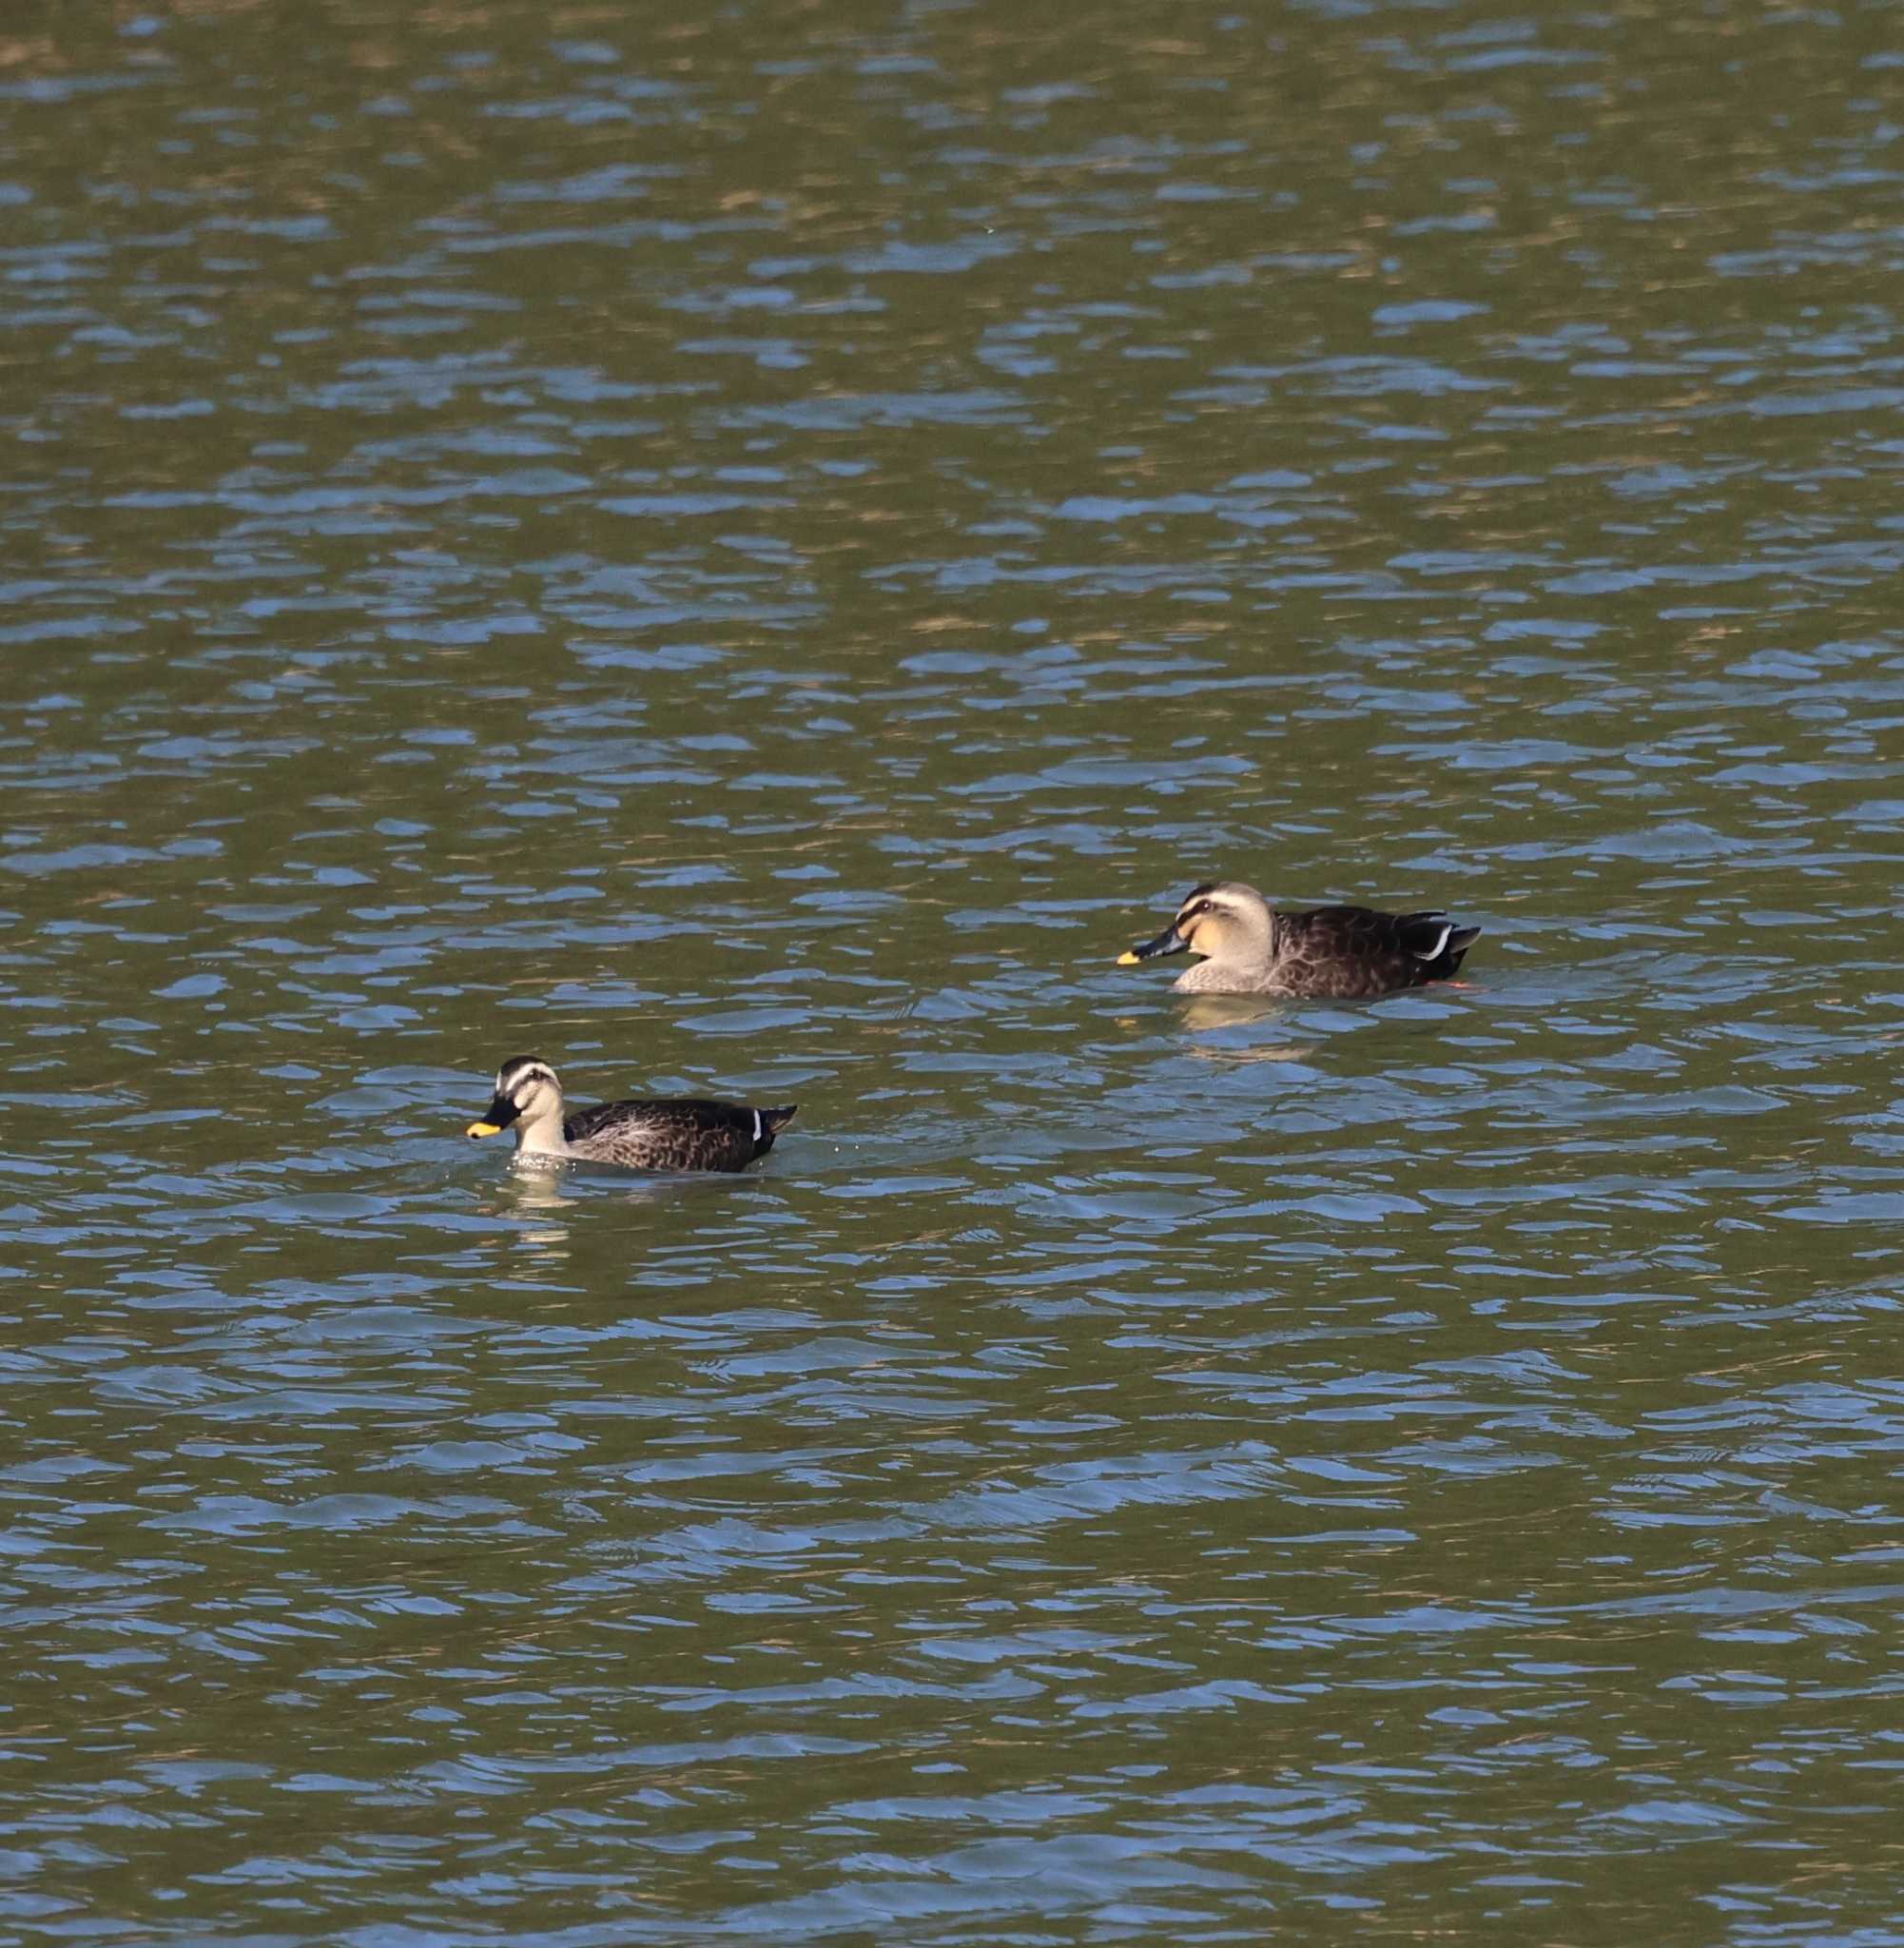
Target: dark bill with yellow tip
{"points": [[1168, 942], [494, 1120]]}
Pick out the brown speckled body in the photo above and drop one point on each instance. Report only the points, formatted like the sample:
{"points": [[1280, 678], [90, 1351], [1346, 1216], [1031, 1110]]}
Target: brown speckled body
{"points": [[680, 1133]]}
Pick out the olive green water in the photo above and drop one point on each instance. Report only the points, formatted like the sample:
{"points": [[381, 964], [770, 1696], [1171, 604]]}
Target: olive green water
{"points": [[751, 551]]}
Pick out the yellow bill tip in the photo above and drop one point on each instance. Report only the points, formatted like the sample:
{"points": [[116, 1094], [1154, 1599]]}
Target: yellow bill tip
{"points": [[483, 1129], [1127, 959]]}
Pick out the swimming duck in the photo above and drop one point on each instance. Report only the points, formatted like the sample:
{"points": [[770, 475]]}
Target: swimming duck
{"points": [[677, 1133], [1334, 953]]}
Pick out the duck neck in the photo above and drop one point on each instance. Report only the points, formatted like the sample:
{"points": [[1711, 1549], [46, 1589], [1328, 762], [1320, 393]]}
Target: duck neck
{"points": [[543, 1136]]}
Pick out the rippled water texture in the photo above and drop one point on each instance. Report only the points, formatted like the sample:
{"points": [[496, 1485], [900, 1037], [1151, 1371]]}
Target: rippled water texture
{"points": [[752, 552]]}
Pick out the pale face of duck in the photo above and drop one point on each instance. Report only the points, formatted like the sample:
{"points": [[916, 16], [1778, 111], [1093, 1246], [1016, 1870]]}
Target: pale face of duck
{"points": [[1224, 921], [529, 1097]]}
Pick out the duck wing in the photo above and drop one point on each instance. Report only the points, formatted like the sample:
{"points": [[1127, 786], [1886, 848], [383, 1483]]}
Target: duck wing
{"points": [[1360, 950], [675, 1132]]}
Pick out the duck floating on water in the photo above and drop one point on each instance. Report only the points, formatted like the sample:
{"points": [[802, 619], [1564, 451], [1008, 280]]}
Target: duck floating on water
{"points": [[674, 1132], [1338, 953]]}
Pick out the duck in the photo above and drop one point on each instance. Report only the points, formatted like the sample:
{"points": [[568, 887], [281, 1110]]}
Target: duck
{"points": [[1337, 953], [674, 1132]]}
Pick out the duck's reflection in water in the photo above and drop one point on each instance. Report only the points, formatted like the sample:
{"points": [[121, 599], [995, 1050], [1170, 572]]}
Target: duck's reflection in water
{"points": [[547, 1196], [542, 1196], [1204, 1012], [1210, 1015]]}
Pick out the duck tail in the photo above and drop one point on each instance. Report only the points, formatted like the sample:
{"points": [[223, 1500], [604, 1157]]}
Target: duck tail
{"points": [[1435, 940], [1454, 950]]}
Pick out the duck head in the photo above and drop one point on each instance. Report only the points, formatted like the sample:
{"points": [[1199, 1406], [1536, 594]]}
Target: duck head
{"points": [[1223, 920], [528, 1096]]}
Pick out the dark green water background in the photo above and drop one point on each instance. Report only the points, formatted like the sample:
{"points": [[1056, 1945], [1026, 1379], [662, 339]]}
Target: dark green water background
{"points": [[751, 550]]}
